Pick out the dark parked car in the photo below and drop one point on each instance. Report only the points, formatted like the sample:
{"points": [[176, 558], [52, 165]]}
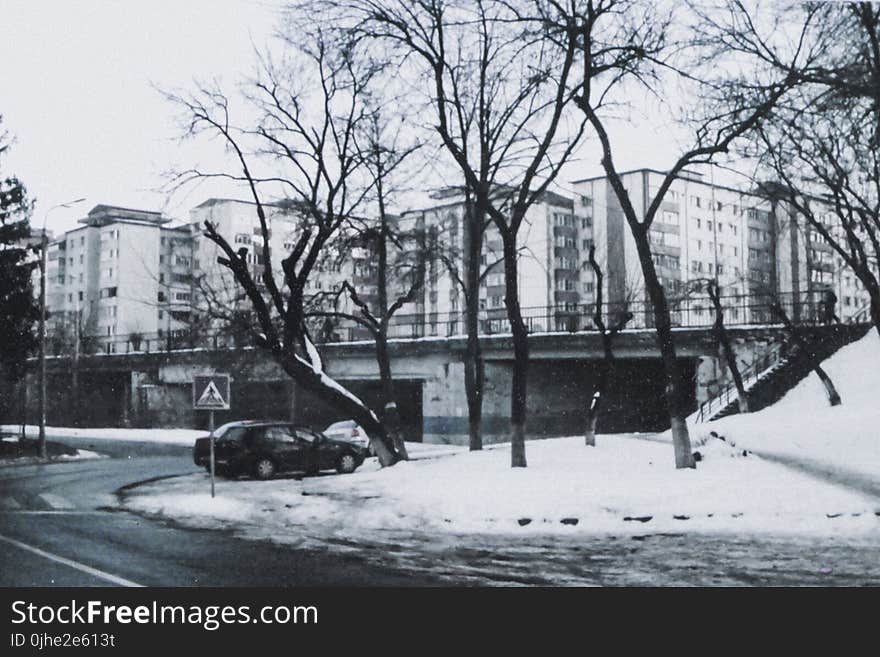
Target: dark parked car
{"points": [[262, 448]]}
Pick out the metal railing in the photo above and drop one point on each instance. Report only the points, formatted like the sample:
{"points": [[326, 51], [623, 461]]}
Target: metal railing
{"points": [[728, 394], [690, 312], [771, 357]]}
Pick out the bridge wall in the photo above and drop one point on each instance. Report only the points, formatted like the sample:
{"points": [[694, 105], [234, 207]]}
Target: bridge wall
{"points": [[154, 390]]}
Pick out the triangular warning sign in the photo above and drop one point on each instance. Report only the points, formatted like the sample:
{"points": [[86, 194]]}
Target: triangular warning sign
{"points": [[211, 397]]}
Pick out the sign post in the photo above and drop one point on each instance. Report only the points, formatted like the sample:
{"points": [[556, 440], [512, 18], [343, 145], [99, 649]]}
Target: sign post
{"points": [[211, 393]]}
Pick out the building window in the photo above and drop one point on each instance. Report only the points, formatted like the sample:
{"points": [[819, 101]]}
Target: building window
{"points": [[586, 201]]}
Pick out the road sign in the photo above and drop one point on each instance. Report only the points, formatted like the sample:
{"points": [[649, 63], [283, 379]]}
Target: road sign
{"points": [[211, 393]]}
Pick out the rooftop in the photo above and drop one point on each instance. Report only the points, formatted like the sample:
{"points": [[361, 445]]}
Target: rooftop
{"points": [[102, 215]]}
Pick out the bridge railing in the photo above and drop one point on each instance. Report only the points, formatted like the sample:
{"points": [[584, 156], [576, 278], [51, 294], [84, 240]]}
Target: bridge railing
{"points": [[685, 312]]}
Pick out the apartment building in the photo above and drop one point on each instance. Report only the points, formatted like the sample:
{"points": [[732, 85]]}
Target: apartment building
{"points": [[750, 243], [114, 278], [554, 281], [238, 222]]}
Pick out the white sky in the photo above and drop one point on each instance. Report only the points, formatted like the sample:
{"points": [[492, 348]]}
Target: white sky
{"points": [[76, 91]]}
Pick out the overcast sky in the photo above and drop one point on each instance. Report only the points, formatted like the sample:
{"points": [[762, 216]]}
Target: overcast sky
{"points": [[77, 92]]}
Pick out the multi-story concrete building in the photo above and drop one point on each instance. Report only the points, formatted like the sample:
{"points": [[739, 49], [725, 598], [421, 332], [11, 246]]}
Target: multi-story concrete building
{"points": [[554, 281], [217, 295], [751, 244], [114, 278]]}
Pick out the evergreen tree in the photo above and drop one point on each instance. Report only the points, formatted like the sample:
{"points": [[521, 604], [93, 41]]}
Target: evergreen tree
{"points": [[19, 310]]}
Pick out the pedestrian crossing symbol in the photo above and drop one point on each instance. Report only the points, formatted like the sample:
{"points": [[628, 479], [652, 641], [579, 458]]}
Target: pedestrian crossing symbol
{"points": [[211, 392]]}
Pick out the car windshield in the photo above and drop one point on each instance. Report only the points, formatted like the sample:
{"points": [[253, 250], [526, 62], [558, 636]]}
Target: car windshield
{"points": [[231, 431], [223, 428], [339, 426]]}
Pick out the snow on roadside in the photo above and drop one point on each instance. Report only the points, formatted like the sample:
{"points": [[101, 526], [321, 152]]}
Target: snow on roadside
{"points": [[803, 425], [81, 455], [168, 436], [188, 436], [623, 485]]}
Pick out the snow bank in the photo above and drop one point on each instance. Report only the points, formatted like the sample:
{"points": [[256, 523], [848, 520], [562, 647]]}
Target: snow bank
{"points": [[188, 436], [622, 485], [81, 455], [168, 436], [803, 425]]}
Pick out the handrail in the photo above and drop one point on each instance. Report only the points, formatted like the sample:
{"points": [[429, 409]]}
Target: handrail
{"points": [[725, 396], [751, 374]]}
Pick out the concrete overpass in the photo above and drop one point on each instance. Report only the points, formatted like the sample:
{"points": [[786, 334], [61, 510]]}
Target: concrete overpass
{"points": [[153, 389]]}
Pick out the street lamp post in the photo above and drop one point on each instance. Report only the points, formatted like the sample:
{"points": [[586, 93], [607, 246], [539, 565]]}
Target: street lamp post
{"points": [[41, 437]]}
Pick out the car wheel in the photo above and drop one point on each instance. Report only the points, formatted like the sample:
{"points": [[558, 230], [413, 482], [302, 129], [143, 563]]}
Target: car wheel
{"points": [[347, 464], [264, 469]]}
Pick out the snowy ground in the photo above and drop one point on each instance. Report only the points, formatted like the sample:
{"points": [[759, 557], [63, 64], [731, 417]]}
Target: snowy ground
{"points": [[623, 485], [802, 425]]}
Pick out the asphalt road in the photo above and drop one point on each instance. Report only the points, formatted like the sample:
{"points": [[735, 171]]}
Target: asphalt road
{"points": [[57, 529]]}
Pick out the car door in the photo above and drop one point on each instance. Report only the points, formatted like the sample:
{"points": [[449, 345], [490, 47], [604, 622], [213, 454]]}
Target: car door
{"points": [[287, 451], [229, 445], [324, 452], [311, 448]]}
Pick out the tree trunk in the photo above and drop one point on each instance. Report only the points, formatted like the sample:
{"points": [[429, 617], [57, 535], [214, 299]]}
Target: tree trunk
{"points": [[830, 390], [391, 414], [593, 408], [350, 406], [605, 374], [474, 367], [520, 334], [727, 350], [684, 457], [474, 381], [873, 290]]}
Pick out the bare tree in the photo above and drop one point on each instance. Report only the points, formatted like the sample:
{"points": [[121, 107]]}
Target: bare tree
{"points": [[606, 372], [311, 111], [498, 98], [623, 45], [399, 257], [822, 150], [714, 292], [808, 350]]}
